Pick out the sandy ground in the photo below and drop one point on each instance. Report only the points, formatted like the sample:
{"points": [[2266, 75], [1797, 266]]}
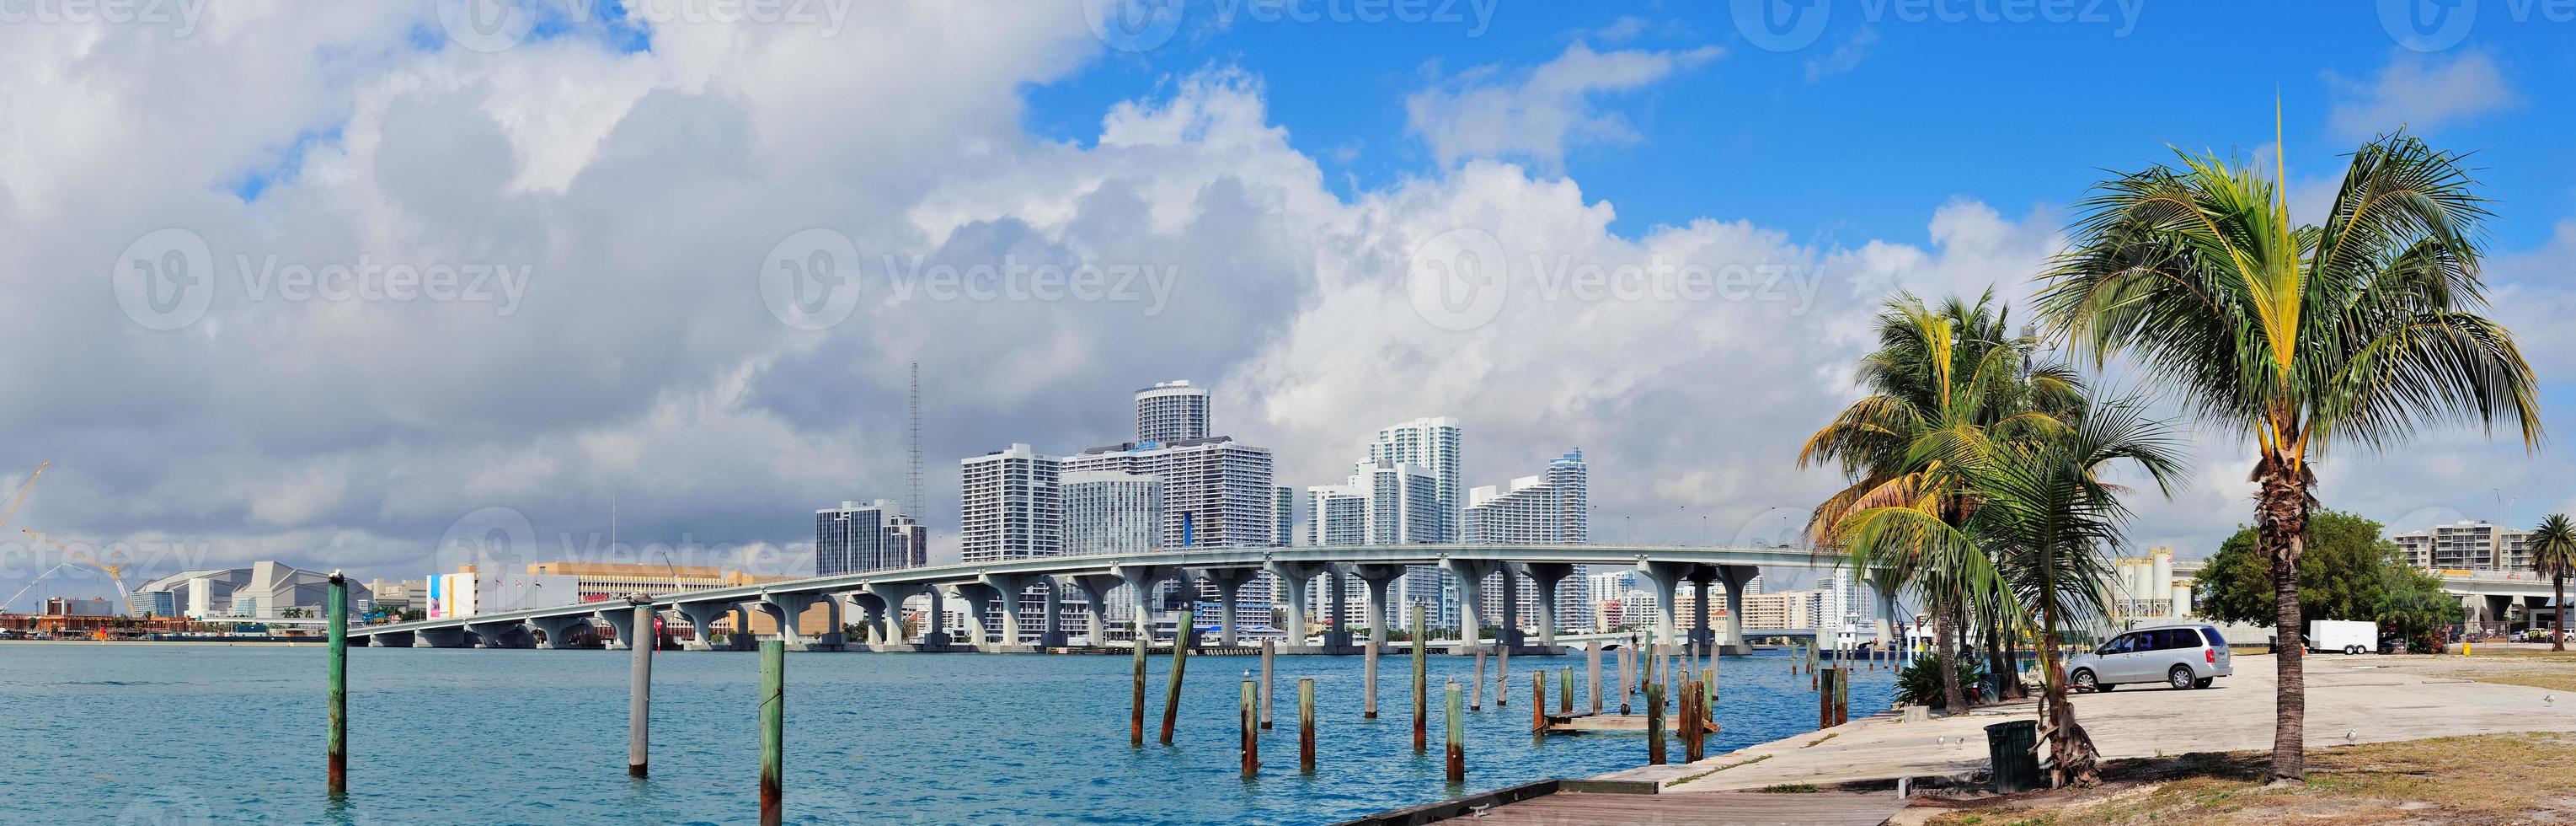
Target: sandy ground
{"points": [[2351, 699]]}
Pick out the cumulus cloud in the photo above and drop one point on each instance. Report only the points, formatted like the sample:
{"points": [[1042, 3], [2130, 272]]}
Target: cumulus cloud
{"points": [[2420, 92], [1539, 114]]}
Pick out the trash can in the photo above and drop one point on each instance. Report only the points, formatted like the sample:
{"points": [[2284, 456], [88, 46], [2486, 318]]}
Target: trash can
{"points": [[2012, 753]]}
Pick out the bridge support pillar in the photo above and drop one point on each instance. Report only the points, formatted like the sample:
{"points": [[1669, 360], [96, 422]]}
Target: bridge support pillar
{"points": [[1377, 578], [1471, 574], [558, 631], [1010, 590], [496, 634], [1547, 577], [621, 625], [788, 610], [1229, 583], [977, 599], [452, 636], [1700, 577], [1142, 579], [1095, 590], [701, 617], [832, 638], [1667, 578], [1735, 578], [392, 639], [1507, 620], [1051, 626], [1337, 635], [1292, 578]]}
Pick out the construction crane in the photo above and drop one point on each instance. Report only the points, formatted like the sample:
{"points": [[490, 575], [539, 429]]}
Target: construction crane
{"points": [[31, 585], [115, 570], [21, 498]]}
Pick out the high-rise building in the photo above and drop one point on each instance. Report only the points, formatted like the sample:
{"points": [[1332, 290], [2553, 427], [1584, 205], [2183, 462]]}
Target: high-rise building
{"points": [[865, 536], [1551, 508], [2467, 546], [1008, 506], [1216, 493], [1171, 411], [1433, 445], [1284, 509], [1108, 512]]}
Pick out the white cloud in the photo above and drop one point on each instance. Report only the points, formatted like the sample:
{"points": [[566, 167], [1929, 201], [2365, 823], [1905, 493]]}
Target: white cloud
{"points": [[2419, 92], [1539, 114], [1845, 57]]}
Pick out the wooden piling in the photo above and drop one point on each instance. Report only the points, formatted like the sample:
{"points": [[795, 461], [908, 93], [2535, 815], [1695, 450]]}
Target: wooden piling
{"points": [[1502, 671], [1708, 692], [1565, 691], [1625, 655], [1538, 702], [1476, 692], [1269, 651], [1136, 714], [1368, 681], [1457, 730], [1592, 674], [1825, 701], [1248, 719], [639, 688], [1421, 683], [1654, 724], [1306, 724], [337, 746], [1180, 659], [1693, 731], [773, 729]]}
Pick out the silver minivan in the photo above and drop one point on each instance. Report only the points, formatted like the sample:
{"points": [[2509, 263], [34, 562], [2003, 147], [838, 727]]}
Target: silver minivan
{"points": [[2182, 656]]}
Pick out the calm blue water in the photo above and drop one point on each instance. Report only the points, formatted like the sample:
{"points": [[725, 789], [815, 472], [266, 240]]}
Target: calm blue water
{"points": [[173, 734]]}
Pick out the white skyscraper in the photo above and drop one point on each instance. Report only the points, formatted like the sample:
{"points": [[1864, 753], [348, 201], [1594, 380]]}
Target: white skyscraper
{"points": [[1171, 411], [1383, 503], [1552, 508], [1108, 512], [1432, 444], [1008, 506]]}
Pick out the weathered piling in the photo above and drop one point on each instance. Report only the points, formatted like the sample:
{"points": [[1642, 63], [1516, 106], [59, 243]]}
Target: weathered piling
{"points": [[1502, 672], [1565, 691], [1421, 683], [1249, 720], [1693, 732], [1592, 674], [1457, 726], [1180, 660], [1368, 682], [1269, 652], [1708, 689], [1825, 699], [1306, 724], [1625, 654], [1476, 692], [337, 746], [773, 730], [1842, 696], [1538, 702], [1136, 714], [639, 687], [1654, 724]]}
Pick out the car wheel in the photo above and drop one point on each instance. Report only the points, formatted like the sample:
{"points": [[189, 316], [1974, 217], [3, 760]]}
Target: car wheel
{"points": [[2352, 649], [2180, 677], [2204, 682], [2084, 681]]}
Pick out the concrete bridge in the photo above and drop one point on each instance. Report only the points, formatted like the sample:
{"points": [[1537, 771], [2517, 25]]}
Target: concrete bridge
{"points": [[879, 596]]}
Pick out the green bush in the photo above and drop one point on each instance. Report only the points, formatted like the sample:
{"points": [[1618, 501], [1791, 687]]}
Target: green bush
{"points": [[1919, 682]]}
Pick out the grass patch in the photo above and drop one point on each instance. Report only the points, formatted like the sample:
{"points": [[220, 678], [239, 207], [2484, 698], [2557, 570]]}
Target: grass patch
{"points": [[1745, 762], [1813, 742], [1788, 788], [2495, 778]]}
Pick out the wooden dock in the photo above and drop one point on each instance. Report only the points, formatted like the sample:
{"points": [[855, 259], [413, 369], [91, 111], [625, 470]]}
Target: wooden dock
{"points": [[1580, 722]]}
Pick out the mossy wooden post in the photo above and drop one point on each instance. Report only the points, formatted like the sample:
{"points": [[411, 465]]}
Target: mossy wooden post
{"points": [[639, 686], [1368, 681], [1476, 693], [1502, 671], [1136, 713], [1249, 720], [1654, 724], [1180, 660], [1842, 697], [1269, 650], [1421, 683], [773, 730], [1306, 724], [1825, 701], [1565, 691], [1538, 702], [1592, 674], [1457, 726], [1708, 688], [337, 603]]}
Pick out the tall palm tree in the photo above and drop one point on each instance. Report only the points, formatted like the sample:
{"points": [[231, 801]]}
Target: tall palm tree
{"points": [[2035, 546], [2553, 554], [2355, 331], [1955, 370]]}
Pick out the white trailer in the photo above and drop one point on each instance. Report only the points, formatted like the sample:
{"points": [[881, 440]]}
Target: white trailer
{"points": [[2347, 636]]}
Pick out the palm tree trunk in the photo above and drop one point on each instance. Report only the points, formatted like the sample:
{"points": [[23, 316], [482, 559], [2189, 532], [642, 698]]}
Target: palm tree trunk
{"points": [[2558, 615], [2281, 524], [1945, 651], [2073, 759]]}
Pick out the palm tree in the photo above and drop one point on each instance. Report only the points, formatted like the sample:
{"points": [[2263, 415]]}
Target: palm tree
{"points": [[2553, 554], [2359, 330], [1956, 370]]}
